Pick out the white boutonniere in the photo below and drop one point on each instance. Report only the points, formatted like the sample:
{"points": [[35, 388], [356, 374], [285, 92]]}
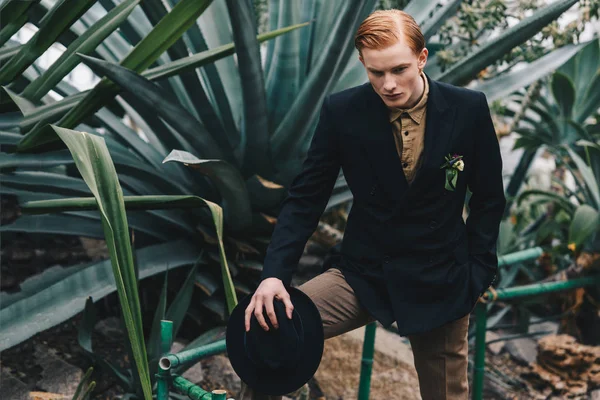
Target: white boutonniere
{"points": [[453, 165]]}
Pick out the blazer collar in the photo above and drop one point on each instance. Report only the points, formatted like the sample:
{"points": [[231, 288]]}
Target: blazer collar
{"points": [[381, 148]]}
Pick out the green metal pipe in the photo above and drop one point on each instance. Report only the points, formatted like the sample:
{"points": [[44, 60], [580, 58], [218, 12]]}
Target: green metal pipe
{"points": [[162, 377], [513, 293], [367, 362], [173, 360], [520, 256], [195, 392], [479, 368], [541, 288]]}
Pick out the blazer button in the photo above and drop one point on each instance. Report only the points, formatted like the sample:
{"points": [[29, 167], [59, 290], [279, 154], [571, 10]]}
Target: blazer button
{"points": [[432, 224], [405, 133], [405, 165], [386, 259]]}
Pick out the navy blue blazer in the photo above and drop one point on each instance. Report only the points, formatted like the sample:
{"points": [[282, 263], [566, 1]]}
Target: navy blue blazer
{"points": [[406, 251]]}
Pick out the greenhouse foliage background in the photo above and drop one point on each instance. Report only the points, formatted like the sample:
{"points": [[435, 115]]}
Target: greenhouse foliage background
{"points": [[197, 115]]}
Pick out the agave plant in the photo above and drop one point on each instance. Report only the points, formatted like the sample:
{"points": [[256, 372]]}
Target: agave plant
{"points": [[244, 124], [561, 119], [561, 113]]}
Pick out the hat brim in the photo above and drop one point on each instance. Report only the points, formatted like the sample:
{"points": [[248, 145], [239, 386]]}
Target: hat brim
{"points": [[279, 381]]}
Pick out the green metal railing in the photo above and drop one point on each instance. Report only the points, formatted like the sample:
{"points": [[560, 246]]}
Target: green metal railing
{"points": [[481, 320], [166, 378]]}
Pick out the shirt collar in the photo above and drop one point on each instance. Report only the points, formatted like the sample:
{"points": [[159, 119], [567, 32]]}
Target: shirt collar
{"points": [[417, 111]]}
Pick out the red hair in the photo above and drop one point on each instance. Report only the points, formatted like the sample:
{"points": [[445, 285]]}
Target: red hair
{"points": [[384, 28]]}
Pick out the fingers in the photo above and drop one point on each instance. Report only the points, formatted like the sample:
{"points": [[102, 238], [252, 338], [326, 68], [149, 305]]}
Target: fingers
{"points": [[289, 307], [248, 313], [258, 312], [267, 292], [256, 307]]}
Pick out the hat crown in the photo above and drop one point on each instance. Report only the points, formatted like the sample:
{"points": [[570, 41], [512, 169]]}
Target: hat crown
{"points": [[275, 348]]}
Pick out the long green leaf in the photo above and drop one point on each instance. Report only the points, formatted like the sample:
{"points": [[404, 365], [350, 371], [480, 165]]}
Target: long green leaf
{"points": [[431, 25], [15, 23], [585, 222], [292, 133], [587, 173], [257, 157], [146, 203], [132, 203], [465, 70], [420, 9], [216, 29], [154, 340], [94, 163], [84, 44], [55, 224], [551, 196], [229, 182], [513, 80], [62, 15], [178, 308], [563, 91], [590, 101], [283, 81]]}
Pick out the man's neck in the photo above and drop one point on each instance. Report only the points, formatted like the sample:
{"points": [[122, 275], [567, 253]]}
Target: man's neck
{"points": [[421, 91]]}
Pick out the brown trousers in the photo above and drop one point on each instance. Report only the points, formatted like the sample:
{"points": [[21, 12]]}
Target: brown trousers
{"points": [[440, 355]]}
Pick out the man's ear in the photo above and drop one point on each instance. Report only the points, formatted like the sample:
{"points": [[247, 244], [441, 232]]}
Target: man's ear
{"points": [[422, 60], [361, 60]]}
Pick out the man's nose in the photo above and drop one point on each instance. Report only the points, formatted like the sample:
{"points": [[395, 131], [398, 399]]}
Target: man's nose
{"points": [[389, 84]]}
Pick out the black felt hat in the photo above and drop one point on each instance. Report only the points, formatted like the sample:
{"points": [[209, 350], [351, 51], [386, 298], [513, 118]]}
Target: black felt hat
{"points": [[277, 361]]}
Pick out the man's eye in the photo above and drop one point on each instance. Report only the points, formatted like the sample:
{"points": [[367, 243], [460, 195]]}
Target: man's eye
{"points": [[399, 70], [377, 73]]}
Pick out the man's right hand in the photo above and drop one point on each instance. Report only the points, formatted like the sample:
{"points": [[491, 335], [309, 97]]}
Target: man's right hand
{"points": [[268, 290]]}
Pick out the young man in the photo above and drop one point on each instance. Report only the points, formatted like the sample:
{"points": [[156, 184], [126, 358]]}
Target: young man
{"points": [[407, 255]]}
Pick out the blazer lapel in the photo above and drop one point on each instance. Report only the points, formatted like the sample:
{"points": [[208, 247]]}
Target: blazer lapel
{"points": [[439, 125], [381, 147]]}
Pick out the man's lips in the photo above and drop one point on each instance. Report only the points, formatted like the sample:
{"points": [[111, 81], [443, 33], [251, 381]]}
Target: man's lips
{"points": [[393, 96]]}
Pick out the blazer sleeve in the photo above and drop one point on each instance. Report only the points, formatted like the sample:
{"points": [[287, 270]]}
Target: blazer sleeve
{"points": [[305, 202], [487, 202]]}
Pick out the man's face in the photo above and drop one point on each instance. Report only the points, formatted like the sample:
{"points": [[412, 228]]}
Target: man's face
{"points": [[394, 73]]}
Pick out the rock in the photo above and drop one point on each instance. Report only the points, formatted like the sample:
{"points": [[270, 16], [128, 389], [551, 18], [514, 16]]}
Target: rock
{"points": [[393, 376], [218, 369], [524, 350], [565, 366], [496, 347], [12, 388], [58, 376], [388, 343], [109, 327], [548, 326]]}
